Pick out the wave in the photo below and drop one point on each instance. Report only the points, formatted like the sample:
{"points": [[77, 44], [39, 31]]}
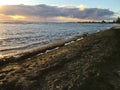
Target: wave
{"points": [[23, 47], [38, 51]]}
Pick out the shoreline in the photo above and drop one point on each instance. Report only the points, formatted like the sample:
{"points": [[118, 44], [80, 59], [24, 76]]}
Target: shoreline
{"points": [[42, 50], [15, 52], [85, 64]]}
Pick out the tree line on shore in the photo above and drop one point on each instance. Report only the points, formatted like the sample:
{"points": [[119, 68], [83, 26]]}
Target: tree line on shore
{"points": [[114, 21], [103, 21], [118, 20]]}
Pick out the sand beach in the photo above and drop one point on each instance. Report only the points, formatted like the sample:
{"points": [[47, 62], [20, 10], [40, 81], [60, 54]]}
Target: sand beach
{"points": [[87, 62]]}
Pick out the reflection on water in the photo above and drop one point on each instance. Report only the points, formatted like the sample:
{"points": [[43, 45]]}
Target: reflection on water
{"points": [[16, 38]]}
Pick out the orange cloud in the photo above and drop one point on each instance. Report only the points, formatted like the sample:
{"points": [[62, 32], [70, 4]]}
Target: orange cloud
{"points": [[4, 17], [9, 17]]}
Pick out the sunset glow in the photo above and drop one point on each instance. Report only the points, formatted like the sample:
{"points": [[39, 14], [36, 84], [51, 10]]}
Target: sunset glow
{"points": [[18, 17], [50, 10]]}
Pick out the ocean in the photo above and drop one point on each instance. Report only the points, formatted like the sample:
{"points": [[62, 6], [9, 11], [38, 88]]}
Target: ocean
{"points": [[16, 38]]}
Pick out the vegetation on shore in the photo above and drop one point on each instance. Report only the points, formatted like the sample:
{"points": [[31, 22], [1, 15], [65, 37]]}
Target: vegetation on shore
{"points": [[114, 21], [104, 21], [118, 20]]}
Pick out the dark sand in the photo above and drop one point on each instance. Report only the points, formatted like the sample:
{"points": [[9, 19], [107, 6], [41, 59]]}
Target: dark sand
{"points": [[92, 63]]}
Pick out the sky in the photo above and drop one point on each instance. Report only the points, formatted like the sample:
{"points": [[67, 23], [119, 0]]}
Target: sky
{"points": [[59, 10]]}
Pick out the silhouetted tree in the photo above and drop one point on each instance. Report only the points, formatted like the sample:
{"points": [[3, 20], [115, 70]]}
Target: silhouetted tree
{"points": [[103, 21], [114, 21], [118, 20]]}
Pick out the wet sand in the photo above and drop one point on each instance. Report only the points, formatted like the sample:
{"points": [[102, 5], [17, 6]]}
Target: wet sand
{"points": [[89, 62]]}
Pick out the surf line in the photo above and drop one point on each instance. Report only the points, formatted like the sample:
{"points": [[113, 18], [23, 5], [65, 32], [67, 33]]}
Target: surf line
{"points": [[40, 51]]}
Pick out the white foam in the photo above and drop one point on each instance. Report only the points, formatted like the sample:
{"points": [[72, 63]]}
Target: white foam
{"points": [[52, 50], [48, 51], [28, 58], [67, 43], [80, 39], [98, 30], [56, 48], [40, 54], [72, 41], [17, 56]]}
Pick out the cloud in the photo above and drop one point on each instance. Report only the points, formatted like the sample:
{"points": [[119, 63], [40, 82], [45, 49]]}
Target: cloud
{"points": [[48, 13]]}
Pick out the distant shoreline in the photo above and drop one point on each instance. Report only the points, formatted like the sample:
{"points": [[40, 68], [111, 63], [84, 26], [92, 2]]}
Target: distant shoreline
{"points": [[30, 22]]}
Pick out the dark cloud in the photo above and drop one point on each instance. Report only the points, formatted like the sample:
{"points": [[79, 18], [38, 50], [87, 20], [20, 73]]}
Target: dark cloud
{"points": [[46, 11]]}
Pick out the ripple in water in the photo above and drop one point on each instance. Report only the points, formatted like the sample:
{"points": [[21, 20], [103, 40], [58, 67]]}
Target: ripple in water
{"points": [[18, 38]]}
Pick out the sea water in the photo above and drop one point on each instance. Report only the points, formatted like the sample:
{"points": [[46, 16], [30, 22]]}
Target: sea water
{"points": [[20, 37]]}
